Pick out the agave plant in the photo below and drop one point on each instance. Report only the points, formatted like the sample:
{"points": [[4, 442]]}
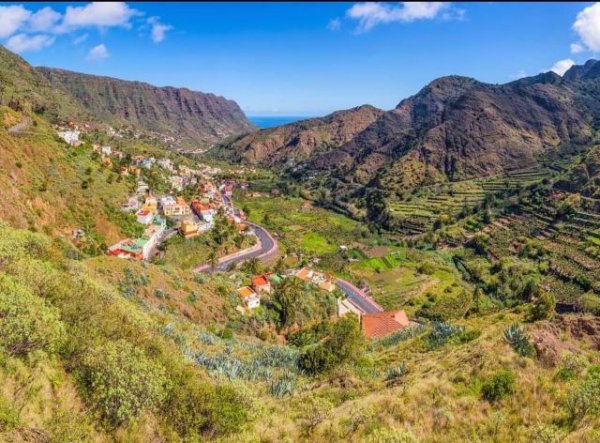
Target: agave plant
{"points": [[286, 385], [441, 332], [516, 337], [396, 373], [402, 335]]}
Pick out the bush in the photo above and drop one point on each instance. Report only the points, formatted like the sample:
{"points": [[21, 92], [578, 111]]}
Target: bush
{"points": [[27, 323], [195, 408], [9, 417], [391, 435], [498, 386], [543, 307], [122, 381], [582, 400], [515, 336], [343, 345]]}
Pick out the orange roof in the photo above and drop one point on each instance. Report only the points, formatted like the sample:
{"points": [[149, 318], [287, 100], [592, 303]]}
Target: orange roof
{"points": [[259, 280], [180, 201], [381, 324], [304, 273], [246, 292]]}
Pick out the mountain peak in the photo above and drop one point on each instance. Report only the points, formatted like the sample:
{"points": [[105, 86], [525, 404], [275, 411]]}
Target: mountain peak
{"points": [[589, 70]]}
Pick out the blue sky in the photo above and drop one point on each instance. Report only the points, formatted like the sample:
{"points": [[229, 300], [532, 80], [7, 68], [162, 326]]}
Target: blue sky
{"points": [[308, 58]]}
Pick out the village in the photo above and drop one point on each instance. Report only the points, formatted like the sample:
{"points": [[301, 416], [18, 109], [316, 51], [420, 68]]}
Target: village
{"points": [[170, 214]]}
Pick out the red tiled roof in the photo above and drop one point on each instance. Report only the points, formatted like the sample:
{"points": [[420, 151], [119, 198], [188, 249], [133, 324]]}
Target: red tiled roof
{"points": [[381, 324], [259, 280]]}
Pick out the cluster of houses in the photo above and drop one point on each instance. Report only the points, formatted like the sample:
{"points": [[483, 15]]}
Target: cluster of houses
{"points": [[144, 247], [261, 284], [192, 218]]}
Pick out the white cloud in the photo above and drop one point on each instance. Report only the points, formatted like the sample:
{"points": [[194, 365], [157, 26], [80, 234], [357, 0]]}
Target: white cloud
{"points": [[98, 14], [11, 19], [334, 24], [562, 66], [22, 43], [98, 53], [576, 48], [587, 26], [43, 20], [159, 30], [79, 40], [370, 15]]}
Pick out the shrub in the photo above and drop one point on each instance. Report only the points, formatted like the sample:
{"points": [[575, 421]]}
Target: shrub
{"points": [[543, 307], [515, 336], [498, 386], [582, 400], [27, 323], [391, 435], [9, 417], [122, 381], [342, 346]]}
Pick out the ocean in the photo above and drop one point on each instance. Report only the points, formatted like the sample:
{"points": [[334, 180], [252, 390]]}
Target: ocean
{"points": [[269, 122]]}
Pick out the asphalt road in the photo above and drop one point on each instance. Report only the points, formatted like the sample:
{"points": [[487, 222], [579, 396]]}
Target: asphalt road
{"points": [[268, 249], [358, 297]]}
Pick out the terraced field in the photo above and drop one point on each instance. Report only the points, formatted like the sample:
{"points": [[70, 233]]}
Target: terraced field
{"points": [[419, 212]]}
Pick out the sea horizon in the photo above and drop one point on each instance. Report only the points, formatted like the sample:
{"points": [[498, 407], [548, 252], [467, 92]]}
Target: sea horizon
{"points": [[269, 121]]}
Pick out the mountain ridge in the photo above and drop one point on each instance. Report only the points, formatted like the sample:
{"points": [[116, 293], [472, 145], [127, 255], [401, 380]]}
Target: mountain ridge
{"points": [[455, 127], [197, 118]]}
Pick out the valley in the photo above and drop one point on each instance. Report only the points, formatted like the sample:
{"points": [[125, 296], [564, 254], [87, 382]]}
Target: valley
{"points": [[425, 274]]}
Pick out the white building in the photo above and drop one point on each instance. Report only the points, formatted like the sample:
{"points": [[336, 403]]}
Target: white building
{"points": [[144, 216], [106, 150], [70, 136]]}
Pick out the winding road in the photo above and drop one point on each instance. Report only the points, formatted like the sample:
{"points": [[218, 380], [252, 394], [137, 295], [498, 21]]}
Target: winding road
{"points": [[266, 248]]}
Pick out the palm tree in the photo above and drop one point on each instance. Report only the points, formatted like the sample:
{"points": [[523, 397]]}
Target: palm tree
{"points": [[287, 296], [213, 260], [252, 266]]}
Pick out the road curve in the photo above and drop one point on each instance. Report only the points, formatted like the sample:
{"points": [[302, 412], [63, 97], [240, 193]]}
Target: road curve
{"points": [[265, 249]]}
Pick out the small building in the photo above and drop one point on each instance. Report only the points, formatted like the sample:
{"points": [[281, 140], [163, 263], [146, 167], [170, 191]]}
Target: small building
{"points": [[305, 274], [150, 204], [261, 283], [327, 285], [251, 298], [106, 150], [188, 228], [138, 249], [144, 216], [380, 324], [203, 210], [178, 208]]}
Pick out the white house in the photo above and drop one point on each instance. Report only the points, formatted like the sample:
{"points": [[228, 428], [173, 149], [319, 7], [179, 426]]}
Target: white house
{"points": [[144, 216], [70, 136], [106, 150]]}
